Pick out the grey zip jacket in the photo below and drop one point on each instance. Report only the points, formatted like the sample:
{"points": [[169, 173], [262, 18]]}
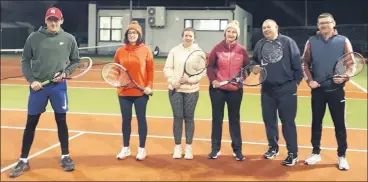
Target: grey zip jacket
{"points": [[46, 54]]}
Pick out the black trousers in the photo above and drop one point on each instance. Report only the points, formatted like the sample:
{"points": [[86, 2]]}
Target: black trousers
{"points": [[336, 105], [233, 100], [283, 100]]}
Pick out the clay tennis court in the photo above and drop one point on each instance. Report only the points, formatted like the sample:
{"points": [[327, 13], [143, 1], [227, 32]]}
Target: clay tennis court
{"points": [[95, 139]]}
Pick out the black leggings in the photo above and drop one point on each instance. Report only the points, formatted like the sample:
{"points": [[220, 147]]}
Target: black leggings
{"points": [[140, 105], [29, 133]]}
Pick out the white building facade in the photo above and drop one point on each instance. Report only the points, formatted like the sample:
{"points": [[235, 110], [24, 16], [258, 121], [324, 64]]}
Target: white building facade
{"points": [[163, 26]]}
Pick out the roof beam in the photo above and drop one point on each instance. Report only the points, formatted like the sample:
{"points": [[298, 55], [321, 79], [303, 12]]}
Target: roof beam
{"points": [[289, 11]]}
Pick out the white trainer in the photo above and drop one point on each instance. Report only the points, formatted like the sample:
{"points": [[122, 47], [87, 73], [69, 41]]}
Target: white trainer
{"points": [[313, 159], [124, 153], [188, 152], [177, 152], [141, 154], [343, 163]]}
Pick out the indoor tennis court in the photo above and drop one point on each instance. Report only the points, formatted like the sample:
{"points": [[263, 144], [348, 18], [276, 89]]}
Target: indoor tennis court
{"points": [[94, 123]]}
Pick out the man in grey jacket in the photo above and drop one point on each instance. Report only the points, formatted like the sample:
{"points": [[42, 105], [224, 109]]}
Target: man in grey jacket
{"points": [[45, 56]]}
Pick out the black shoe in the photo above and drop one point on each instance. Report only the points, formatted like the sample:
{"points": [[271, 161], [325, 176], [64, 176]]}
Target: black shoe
{"points": [[214, 154], [19, 169], [290, 160], [67, 163], [271, 153], [239, 156]]}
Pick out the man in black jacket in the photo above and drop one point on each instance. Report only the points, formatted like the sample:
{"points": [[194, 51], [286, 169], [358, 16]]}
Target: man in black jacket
{"points": [[279, 92]]}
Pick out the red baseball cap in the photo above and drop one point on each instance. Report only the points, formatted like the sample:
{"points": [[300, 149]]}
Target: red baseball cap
{"points": [[54, 12]]}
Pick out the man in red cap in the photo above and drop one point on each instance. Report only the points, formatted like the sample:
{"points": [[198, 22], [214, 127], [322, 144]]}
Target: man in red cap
{"points": [[45, 56]]}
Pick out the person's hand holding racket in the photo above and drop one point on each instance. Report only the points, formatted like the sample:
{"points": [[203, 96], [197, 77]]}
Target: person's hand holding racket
{"points": [[339, 79], [250, 75], [216, 84], [184, 79], [72, 71], [147, 91], [256, 69], [59, 77], [36, 85], [313, 84], [176, 85]]}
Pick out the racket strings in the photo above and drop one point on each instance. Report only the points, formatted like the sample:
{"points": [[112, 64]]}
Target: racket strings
{"points": [[350, 65], [115, 76], [272, 52], [196, 63]]}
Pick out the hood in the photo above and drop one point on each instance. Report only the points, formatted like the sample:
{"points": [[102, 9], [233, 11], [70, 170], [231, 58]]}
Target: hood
{"points": [[133, 47], [194, 46], [43, 30]]}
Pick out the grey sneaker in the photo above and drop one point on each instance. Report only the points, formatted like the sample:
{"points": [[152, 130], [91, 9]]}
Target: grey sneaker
{"points": [[19, 169], [67, 163]]}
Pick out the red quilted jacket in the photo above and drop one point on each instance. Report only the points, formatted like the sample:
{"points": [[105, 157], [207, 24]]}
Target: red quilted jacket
{"points": [[225, 62]]}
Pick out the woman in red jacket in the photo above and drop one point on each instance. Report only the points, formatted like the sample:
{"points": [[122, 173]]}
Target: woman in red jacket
{"points": [[226, 60], [137, 58]]}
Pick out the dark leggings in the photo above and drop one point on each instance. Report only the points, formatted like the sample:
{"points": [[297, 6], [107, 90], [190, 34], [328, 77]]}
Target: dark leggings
{"points": [[140, 105], [29, 133]]}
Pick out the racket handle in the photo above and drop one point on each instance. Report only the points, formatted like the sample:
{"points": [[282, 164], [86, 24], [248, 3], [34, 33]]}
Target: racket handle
{"points": [[45, 82], [223, 83]]}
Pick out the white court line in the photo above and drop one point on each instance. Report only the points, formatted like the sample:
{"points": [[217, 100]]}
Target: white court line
{"points": [[358, 86], [183, 138], [160, 83], [155, 90], [167, 117], [40, 152]]}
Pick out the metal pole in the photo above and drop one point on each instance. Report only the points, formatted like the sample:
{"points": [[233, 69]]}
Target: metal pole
{"points": [[306, 12], [1, 44], [131, 11]]}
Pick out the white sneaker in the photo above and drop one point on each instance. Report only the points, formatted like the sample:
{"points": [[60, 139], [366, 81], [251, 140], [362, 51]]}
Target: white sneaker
{"points": [[124, 153], [188, 152], [141, 154], [313, 159], [177, 152], [343, 163]]}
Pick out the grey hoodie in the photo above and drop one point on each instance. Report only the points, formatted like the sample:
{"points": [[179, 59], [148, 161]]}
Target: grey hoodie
{"points": [[46, 53]]}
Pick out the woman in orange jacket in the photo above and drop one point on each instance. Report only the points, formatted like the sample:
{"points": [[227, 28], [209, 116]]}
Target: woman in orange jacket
{"points": [[137, 58]]}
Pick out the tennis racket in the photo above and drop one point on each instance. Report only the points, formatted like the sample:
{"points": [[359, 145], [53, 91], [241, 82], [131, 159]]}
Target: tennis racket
{"points": [[77, 70], [347, 66], [271, 52], [117, 76], [250, 75], [195, 64]]}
